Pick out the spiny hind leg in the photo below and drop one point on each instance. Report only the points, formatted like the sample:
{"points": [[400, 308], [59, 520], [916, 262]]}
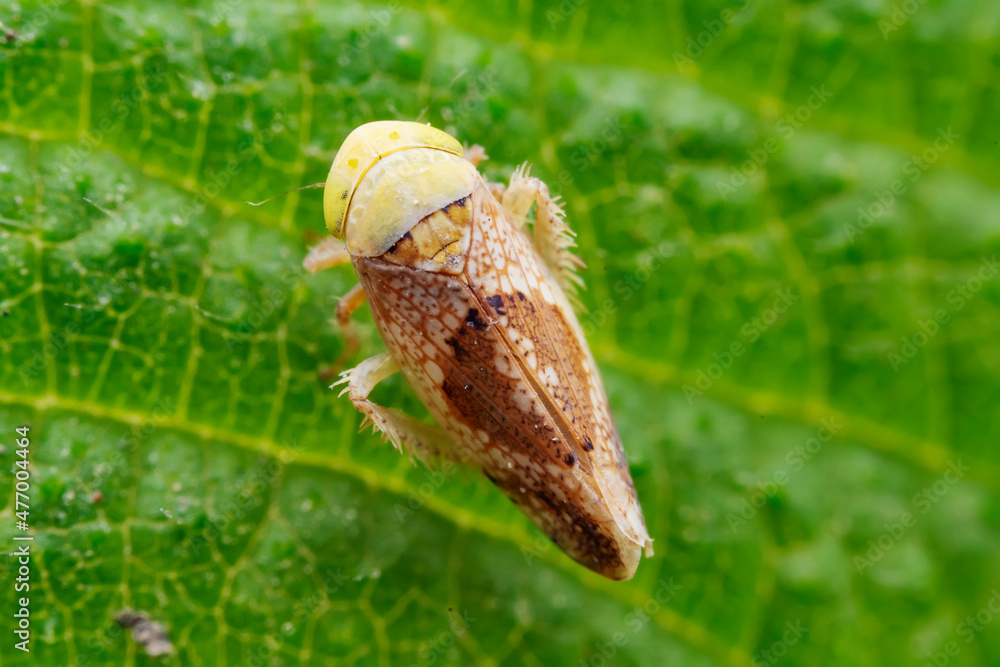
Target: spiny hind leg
{"points": [[553, 239], [326, 254], [417, 439]]}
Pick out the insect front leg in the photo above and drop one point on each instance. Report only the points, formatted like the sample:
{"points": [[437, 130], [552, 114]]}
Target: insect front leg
{"points": [[348, 303], [326, 254], [415, 438], [552, 238]]}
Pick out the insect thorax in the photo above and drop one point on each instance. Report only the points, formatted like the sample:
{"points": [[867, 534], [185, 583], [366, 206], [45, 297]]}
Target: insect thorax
{"points": [[438, 243]]}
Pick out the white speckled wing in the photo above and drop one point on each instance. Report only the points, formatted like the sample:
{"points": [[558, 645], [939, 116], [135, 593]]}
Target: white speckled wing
{"points": [[498, 358], [521, 295]]}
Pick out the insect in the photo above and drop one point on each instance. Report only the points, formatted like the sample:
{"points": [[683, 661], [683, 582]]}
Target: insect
{"points": [[474, 309]]}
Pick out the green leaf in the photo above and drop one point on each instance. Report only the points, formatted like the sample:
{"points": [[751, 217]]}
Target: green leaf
{"points": [[790, 215]]}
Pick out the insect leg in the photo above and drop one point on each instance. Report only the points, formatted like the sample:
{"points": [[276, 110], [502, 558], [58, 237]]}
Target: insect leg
{"points": [[552, 238], [476, 154], [328, 253], [417, 439], [348, 303]]}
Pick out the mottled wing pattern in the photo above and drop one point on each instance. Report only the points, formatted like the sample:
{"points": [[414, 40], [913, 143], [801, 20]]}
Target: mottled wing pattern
{"points": [[459, 363], [518, 292]]}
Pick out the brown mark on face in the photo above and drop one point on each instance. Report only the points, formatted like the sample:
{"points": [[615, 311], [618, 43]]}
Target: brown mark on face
{"points": [[439, 243]]}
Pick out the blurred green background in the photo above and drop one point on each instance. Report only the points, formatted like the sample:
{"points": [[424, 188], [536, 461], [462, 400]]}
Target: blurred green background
{"points": [[790, 214]]}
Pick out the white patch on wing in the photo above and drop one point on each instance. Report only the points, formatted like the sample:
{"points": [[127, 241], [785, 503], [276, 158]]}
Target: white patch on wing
{"points": [[434, 372]]}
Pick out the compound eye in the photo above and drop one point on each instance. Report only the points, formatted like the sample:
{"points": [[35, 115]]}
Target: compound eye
{"points": [[336, 197]]}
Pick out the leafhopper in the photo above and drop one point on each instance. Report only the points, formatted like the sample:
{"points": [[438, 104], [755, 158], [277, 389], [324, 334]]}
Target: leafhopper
{"points": [[473, 304]]}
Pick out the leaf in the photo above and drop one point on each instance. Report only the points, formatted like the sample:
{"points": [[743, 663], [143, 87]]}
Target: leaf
{"points": [[790, 216]]}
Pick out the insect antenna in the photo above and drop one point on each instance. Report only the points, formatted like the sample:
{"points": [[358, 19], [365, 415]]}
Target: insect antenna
{"points": [[282, 194], [434, 99]]}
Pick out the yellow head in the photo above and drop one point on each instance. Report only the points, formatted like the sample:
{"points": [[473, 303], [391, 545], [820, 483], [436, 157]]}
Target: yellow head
{"points": [[387, 176]]}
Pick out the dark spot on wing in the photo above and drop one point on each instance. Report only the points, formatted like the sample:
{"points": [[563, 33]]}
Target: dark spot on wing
{"points": [[457, 202], [475, 321], [451, 388], [545, 498], [523, 303], [496, 302], [569, 459], [460, 352], [588, 446]]}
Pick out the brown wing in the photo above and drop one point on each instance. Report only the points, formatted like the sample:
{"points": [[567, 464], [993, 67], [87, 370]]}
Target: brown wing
{"points": [[532, 312], [458, 359]]}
